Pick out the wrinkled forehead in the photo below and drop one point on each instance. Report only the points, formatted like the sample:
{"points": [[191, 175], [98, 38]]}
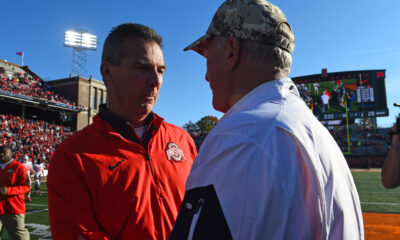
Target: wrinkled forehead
{"points": [[143, 50], [133, 43]]}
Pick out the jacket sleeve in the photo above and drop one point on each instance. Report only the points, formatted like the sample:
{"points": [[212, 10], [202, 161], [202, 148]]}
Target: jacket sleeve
{"points": [[71, 210], [20, 186]]}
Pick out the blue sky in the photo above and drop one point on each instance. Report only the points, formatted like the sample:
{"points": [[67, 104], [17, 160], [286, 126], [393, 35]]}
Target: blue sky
{"points": [[339, 35]]}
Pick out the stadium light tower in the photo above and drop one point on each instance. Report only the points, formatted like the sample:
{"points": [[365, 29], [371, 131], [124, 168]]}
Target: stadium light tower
{"points": [[80, 41]]}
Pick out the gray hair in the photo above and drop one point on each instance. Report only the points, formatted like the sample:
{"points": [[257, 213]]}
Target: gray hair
{"points": [[260, 54], [113, 50]]}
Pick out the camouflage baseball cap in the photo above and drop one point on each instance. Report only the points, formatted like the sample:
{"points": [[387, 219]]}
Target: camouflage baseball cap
{"points": [[256, 20]]}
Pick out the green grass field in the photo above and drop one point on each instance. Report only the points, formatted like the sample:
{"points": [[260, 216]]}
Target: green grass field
{"points": [[36, 218], [373, 196]]}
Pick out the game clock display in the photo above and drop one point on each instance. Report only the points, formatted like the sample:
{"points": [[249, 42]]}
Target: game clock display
{"points": [[330, 95]]}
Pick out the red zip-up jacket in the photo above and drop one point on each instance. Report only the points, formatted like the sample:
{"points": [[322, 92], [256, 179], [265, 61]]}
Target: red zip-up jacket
{"points": [[13, 177], [103, 186]]}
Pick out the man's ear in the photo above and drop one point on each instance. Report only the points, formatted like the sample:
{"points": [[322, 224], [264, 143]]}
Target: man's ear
{"points": [[233, 53], [106, 70]]}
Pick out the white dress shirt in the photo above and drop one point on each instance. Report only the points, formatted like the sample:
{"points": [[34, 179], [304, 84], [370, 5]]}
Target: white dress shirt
{"points": [[277, 172]]}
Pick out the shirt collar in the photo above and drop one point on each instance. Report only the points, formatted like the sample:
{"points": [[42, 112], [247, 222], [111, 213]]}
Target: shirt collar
{"points": [[265, 91], [123, 127], [3, 165]]}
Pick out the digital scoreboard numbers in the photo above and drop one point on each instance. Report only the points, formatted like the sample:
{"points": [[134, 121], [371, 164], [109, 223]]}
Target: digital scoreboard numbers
{"points": [[330, 95], [365, 94]]}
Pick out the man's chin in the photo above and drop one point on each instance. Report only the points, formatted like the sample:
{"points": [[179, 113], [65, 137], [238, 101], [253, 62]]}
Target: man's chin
{"points": [[146, 109], [219, 108]]}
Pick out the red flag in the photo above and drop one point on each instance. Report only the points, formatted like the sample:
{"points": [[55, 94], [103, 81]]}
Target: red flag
{"points": [[19, 53]]}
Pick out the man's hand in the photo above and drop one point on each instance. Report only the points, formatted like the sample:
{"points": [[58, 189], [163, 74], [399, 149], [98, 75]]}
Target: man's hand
{"points": [[3, 191]]}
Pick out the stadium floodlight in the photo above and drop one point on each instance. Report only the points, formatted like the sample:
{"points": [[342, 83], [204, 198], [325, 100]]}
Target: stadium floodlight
{"points": [[80, 40]]}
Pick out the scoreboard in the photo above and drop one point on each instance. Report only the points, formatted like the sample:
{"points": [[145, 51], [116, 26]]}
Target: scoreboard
{"points": [[330, 95]]}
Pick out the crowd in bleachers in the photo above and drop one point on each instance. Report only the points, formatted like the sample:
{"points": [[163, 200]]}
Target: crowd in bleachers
{"points": [[27, 85], [370, 141], [35, 138], [374, 143], [18, 82]]}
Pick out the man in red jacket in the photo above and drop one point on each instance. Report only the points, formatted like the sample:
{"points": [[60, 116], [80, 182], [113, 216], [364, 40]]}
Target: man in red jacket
{"points": [[12, 195], [123, 176]]}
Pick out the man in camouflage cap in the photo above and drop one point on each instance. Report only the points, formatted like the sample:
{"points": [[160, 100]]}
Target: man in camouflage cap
{"points": [[269, 169], [251, 20]]}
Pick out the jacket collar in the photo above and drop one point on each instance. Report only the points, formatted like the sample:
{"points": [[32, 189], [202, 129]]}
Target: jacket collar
{"points": [[266, 91], [126, 129]]}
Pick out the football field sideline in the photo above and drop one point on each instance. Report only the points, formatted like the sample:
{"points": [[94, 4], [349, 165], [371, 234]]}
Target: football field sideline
{"points": [[380, 209]]}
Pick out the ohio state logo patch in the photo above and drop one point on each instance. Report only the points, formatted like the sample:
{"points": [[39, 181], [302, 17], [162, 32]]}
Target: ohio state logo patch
{"points": [[174, 152]]}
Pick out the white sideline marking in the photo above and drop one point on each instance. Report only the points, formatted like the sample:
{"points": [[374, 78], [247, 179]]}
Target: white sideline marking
{"points": [[381, 203], [42, 231], [38, 205], [37, 211], [381, 192]]}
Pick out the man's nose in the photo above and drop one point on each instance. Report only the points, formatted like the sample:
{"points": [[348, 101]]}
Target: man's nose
{"points": [[155, 78]]}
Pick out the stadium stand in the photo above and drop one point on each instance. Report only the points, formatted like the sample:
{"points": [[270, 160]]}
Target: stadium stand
{"points": [[36, 138], [20, 82], [32, 114], [375, 141], [362, 148], [356, 144]]}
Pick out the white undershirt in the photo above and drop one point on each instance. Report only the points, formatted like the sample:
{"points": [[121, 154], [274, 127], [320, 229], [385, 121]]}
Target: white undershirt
{"points": [[140, 130], [3, 165]]}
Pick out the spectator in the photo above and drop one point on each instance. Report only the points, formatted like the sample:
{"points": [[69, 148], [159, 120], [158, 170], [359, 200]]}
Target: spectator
{"points": [[35, 138], [31, 87], [12, 195]]}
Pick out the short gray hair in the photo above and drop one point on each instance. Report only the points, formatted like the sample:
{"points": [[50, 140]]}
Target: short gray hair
{"points": [[113, 50], [260, 53]]}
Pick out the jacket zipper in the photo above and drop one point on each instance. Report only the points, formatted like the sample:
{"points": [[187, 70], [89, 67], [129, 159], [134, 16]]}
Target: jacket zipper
{"points": [[153, 173]]}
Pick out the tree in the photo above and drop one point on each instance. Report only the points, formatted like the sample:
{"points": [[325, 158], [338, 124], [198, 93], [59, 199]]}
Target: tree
{"points": [[191, 128], [207, 123]]}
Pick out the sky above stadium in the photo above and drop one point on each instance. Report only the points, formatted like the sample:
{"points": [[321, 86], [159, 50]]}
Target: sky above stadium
{"points": [[340, 35]]}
